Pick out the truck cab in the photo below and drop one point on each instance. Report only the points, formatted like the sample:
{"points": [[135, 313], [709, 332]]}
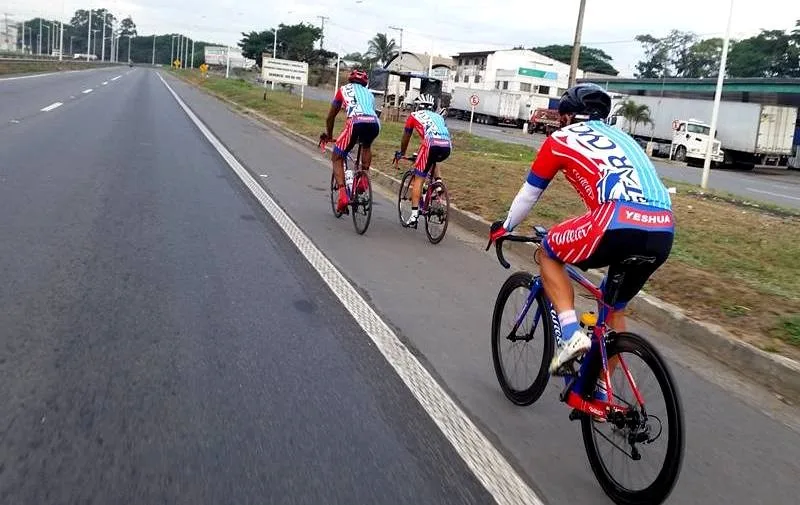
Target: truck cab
{"points": [[690, 140]]}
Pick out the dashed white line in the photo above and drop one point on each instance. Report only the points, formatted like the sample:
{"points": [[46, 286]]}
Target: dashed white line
{"points": [[105, 82], [481, 456], [115, 78], [87, 91], [781, 195], [52, 106]]}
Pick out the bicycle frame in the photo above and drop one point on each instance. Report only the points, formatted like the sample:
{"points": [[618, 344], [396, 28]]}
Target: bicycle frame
{"points": [[347, 160], [600, 332], [426, 197]]}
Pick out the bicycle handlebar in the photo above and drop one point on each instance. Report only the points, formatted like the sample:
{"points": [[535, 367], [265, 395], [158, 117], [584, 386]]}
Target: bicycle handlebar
{"points": [[498, 244]]}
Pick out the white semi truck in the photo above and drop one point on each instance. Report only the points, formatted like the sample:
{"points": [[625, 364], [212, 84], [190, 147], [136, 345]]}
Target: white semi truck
{"points": [[750, 133], [495, 107]]}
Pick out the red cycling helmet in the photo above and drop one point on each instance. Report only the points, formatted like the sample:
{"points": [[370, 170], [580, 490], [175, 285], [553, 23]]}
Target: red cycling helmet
{"points": [[358, 76]]}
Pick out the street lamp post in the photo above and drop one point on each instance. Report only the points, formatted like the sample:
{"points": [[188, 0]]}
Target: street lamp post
{"points": [[94, 41], [153, 63], [89, 35], [192, 65], [129, 48], [172, 51], [103, 44], [717, 98], [576, 47], [400, 64], [40, 36], [70, 44], [60, 43], [274, 50]]}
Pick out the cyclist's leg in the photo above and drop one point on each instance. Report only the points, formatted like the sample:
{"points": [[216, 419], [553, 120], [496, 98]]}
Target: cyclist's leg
{"points": [[368, 132], [420, 173], [343, 146], [573, 241], [442, 153]]}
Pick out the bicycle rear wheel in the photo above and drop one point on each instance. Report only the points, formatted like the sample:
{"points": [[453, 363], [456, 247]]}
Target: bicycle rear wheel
{"points": [[404, 198], [334, 197], [641, 428], [436, 212], [537, 316], [362, 202]]}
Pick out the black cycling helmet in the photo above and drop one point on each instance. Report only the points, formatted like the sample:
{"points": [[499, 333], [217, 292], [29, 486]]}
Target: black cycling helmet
{"points": [[585, 99]]}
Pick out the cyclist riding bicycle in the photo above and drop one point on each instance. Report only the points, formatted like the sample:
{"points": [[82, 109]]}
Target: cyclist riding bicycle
{"points": [[629, 213], [361, 126], [434, 148]]}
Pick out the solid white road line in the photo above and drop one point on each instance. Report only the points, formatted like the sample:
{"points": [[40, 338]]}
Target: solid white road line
{"points": [[485, 461], [87, 91], [27, 76], [781, 195], [52, 106]]}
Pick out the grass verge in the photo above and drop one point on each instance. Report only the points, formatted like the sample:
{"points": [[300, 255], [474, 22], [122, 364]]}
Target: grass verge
{"points": [[10, 67], [732, 264]]}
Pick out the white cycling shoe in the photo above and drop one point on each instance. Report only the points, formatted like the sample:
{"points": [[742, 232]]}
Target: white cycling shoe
{"points": [[578, 345]]}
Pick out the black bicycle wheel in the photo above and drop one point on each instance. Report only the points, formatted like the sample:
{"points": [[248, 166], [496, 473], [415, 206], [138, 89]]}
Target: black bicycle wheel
{"points": [[362, 202], [530, 391], [437, 210], [404, 198], [334, 197], [659, 489]]}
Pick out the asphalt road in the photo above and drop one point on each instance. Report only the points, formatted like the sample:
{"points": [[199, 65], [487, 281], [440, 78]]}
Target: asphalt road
{"points": [[164, 342], [777, 186]]}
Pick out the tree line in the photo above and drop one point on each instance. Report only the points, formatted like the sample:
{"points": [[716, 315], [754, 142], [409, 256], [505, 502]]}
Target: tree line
{"points": [[770, 53], [76, 37]]}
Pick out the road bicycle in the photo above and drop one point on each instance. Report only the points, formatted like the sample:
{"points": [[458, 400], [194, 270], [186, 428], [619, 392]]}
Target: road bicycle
{"points": [[633, 423], [358, 187], [434, 202]]}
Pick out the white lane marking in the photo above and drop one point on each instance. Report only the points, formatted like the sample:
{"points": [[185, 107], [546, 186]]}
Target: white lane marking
{"points": [[263, 175], [115, 78], [773, 194], [27, 76], [483, 458], [52, 106], [87, 91], [105, 82]]}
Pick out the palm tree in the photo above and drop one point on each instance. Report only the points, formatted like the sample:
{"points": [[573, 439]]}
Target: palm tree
{"points": [[634, 114], [381, 48]]}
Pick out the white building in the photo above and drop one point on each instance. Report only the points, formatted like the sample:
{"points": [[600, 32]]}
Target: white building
{"points": [[514, 70]]}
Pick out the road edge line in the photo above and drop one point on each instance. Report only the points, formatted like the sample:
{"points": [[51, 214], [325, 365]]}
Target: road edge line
{"points": [[485, 461]]}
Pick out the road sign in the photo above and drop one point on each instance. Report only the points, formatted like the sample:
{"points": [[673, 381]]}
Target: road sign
{"points": [[474, 100], [285, 71]]}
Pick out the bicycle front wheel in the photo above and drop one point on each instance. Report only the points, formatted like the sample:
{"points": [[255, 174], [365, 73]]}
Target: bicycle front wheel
{"points": [[334, 197], [404, 198], [522, 383], [362, 202], [436, 212], [636, 436]]}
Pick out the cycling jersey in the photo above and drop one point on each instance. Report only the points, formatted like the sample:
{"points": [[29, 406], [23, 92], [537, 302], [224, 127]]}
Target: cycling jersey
{"points": [[616, 181], [430, 126], [357, 102]]}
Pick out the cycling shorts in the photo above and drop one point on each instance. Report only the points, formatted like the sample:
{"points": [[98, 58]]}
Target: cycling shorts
{"points": [[362, 132], [610, 234], [431, 153]]}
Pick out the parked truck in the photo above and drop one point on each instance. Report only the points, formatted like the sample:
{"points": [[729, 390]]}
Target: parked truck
{"points": [[495, 107], [750, 133]]}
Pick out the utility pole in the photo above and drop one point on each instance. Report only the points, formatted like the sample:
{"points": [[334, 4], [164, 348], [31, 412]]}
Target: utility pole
{"points": [[180, 41], [401, 46], [717, 97], [192, 53], [153, 63], [185, 53], [129, 48], [61, 43], [172, 52], [322, 38], [103, 45], [89, 40], [40, 36], [576, 46], [23, 37]]}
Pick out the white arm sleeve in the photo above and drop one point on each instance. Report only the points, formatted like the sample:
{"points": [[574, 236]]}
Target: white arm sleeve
{"points": [[526, 198]]}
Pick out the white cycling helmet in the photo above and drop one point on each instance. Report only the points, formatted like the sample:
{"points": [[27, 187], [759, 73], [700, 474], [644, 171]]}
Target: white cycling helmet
{"points": [[425, 102]]}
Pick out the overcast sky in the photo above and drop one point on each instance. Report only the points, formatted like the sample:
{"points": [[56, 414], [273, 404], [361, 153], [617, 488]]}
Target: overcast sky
{"points": [[443, 26]]}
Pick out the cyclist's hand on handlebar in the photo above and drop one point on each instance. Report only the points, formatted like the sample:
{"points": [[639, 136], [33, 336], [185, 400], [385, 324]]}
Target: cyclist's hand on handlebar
{"points": [[398, 155], [495, 231]]}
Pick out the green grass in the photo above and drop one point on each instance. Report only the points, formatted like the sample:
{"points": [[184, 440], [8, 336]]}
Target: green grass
{"points": [[731, 263], [788, 329]]}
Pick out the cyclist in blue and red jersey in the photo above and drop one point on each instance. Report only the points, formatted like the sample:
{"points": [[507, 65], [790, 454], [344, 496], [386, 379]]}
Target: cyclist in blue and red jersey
{"points": [[434, 148], [628, 212], [361, 126]]}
